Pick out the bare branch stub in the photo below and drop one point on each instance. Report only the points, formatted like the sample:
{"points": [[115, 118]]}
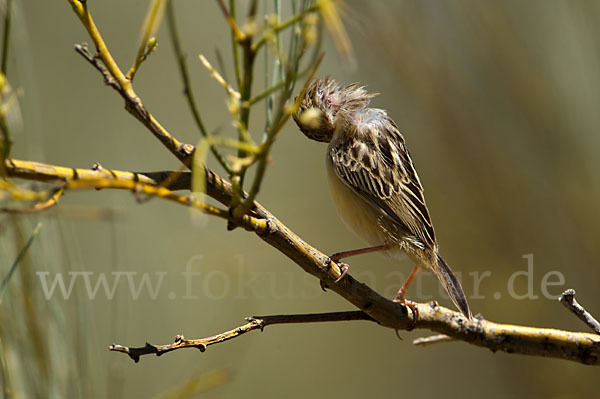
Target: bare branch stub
{"points": [[568, 299], [432, 339], [580, 347]]}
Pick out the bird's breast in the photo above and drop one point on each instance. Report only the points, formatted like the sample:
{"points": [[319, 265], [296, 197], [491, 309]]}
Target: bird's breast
{"points": [[360, 217]]}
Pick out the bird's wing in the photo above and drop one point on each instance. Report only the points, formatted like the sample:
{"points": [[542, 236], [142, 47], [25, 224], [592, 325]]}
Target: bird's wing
{"points": [[377, 166]]}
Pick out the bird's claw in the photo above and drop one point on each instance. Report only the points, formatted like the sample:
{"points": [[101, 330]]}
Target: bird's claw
{"points": [[323, 285], [344, 268], [413, 308]]}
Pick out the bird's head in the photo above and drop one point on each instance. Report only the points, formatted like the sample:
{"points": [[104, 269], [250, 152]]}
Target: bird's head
{"points": [[323, 101], [317, 110]]}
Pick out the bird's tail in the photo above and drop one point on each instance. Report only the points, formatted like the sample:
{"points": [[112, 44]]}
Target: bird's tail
{"points": [[452, 285]]}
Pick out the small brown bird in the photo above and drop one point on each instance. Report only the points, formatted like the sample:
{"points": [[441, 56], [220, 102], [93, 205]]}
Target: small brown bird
{"points": [[373, 181]]}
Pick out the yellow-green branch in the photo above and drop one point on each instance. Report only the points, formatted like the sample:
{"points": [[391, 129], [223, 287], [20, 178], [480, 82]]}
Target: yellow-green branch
{"points": [[132, 102], [81, 10], [139, 184]]}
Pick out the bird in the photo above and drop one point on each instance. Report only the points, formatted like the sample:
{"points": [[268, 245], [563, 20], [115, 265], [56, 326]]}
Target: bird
{"points": [[373, 181]]}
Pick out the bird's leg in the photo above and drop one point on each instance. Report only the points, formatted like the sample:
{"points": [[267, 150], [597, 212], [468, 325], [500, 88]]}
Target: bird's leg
{"points": [[402, 291], [346, 254]]}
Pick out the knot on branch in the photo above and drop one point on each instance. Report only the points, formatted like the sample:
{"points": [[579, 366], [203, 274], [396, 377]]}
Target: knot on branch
{"points": [[186, 150]]}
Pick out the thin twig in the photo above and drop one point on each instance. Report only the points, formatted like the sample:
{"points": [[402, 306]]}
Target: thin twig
{"points": [[11, 191], [151, 23], [81, 10], [6, 140], [239, 107], [187, 87], [6, 38], [18, 259], [310, 318], [249, 56], [276, 68], [217, 76], [239, 35], [198, 181], [109, 80], [265, 93], [568, 299], [432, 339], [252, 10], [181, 342], [40, 206], [283, 25], [266, 146], [5, 135], [254, 323], [133, 104], [235, 48], [281, 117], [135, 107]]}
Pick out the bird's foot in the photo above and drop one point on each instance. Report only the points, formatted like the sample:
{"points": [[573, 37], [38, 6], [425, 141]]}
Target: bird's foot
{"points": [[344, 267], [413, 308], [336, 257]]}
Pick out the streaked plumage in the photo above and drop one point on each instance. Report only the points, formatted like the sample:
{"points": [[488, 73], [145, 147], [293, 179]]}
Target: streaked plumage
{"points": [[374, 183]]}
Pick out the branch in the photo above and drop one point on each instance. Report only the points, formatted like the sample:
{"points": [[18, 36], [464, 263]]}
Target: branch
{"points": [[254, 323], [217, 76], [37, 171], [545, 342], [580, 347], [278, 235], [81, 10], [118, 81], [238, 34], [100, 178], [568, 299]]}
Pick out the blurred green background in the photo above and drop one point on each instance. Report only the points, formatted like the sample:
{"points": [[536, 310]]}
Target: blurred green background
{"points": [[498, 102]]}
